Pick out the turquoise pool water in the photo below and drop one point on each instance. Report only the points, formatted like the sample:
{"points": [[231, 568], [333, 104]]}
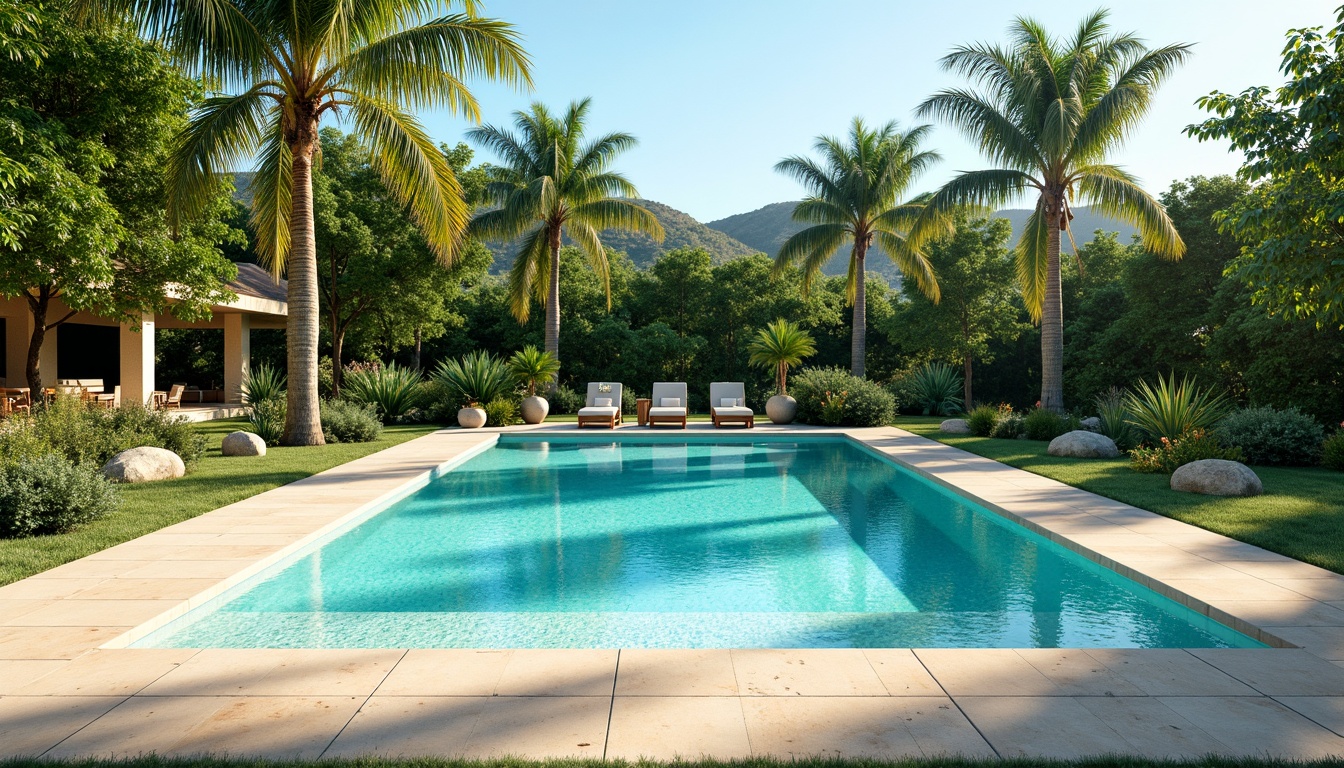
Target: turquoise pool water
{"points": [[582, 544]]}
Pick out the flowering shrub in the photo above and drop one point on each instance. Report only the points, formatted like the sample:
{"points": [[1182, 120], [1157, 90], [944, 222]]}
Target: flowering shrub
{"points": [[833, 408], [1169, 454]]}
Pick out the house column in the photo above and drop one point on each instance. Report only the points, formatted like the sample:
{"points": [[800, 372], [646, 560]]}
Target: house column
{"points": [[18, 335], [137, 360], [237, 354]]}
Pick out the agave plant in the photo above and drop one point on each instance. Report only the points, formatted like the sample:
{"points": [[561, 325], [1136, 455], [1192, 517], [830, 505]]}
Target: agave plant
{"points": [[1172, 410], [391, 389], [937, 388], [532, 368], [1113, 415], [781, 345], [263, 384], [479, 377]]}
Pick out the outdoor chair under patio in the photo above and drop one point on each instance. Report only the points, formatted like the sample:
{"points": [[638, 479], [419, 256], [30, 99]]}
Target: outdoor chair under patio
{"points": [[728, 404], [602, 408], [669, 404]]}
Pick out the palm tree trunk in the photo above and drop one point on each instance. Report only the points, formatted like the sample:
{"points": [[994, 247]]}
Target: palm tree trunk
{"points": [[553, 304], [303, 421], [1052, 331], [858, 342], [967, 387]]}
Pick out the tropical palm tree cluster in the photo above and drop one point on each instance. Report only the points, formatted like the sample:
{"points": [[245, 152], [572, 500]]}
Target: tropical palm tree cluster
{"points": [[1048, 113]]}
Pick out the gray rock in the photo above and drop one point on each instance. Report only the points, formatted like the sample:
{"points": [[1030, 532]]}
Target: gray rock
{"points": [[1216, 477], [1081, 444], [955, 427], [242, 444], [143, 465], [1091, 424]]}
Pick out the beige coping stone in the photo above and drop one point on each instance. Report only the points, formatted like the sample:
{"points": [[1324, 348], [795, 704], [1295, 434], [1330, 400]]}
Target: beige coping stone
{"points": [[1075, 673], [1186, 566], [84, 569], [146, 589], [190, 569], [1257, 726], [887, 727], [1151, 728], [1287, 568], [46, 589], [985, 672], [558, 672], [1326, 711], [280, 727], [666, 728], [410, 726], [29, 726], [13, 611], [902, 673], [17, 673], [270, 672], [428, 672], [1287, 672], [1245, 588], [1037, 726], [76, 612], [1331, 590], [53, 642], [1326, 642], [805, 672], [540, 727], [108, 673], [1285, 613], [676, 672], [1170, 671]]}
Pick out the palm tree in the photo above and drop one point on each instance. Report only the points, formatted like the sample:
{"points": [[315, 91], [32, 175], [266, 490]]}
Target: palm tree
{"points": [[552, 185], [781, 345], [1049, 112], [853, 197], [289, 65]]}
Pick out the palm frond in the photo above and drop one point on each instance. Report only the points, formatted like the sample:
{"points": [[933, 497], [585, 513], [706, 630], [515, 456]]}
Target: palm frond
{"points": [[987, 190], [998, 136], [272, 192], [530, 264], [585, 236], [1033, 263], [1117, 194], [816, 243], [221, 134], [913, 263], [618, 214]]}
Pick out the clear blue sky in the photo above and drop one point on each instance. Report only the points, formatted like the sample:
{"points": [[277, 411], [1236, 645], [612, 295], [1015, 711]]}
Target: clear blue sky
{"points": [[718, 91]]}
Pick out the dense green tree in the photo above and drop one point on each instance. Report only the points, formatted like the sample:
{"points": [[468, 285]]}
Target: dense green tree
{"points": [[20, 26], [855, 197], [1292, 222], [98, 115], [555, 185], [1049, 114], [283, 67], [377, 274], [975, 277]]}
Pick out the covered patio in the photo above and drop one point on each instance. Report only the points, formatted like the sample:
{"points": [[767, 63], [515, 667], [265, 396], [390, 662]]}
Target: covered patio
{"points": [[90, 346]]}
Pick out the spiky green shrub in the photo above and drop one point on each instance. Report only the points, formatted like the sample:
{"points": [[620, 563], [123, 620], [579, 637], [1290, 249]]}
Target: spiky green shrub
{"points": [[392, 390], [981, 420], [779, 346], [502, 412], [1271, 437], [266, 419], [263, 383], [1045, 424], [936, 388], [532, 368], [346, 422], [46, 494], [478, 377], [1114, 418], [1173, 410], [1169, 454]]}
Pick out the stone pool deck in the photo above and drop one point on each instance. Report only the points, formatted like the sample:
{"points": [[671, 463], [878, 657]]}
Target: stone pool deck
{"points": [[69, 687]]}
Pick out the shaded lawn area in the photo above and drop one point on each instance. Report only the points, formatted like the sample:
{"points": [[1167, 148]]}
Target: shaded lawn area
{"points": [[214, 482], [1301, 513]]}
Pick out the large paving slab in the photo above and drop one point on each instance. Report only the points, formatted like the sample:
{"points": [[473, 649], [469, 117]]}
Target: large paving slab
{"points": [[70, 686]]}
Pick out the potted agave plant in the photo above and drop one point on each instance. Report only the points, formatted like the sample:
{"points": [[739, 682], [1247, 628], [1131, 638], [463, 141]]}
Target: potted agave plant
{"points": [[476, 379], [532, 368], [781, 345]]}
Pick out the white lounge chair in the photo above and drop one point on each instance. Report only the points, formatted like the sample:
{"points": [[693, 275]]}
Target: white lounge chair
{"points": [[728, 404], [602, 408], [669, 404]]}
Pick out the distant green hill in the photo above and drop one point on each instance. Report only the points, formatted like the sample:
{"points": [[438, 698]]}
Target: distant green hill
{"points": [[681, 231], [767, 228]]}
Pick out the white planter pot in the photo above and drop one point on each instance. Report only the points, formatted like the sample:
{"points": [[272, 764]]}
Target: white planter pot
{"points": [[471, 418], [781, 409], [535, 409]]}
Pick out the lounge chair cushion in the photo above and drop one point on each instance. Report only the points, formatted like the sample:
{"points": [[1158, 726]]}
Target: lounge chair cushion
{"points": [[599, 410], [670, 402], [727, 402], [734, 410], [602, 402], [668, 411]]}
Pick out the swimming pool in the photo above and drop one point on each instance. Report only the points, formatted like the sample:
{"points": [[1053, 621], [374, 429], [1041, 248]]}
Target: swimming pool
{"points": [[584, 543]]}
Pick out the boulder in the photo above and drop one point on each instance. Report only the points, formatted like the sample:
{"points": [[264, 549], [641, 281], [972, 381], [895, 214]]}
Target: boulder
{"points": [[1081, 444], [1216, 477], [144, 464], [242, 444], [955, 427], [1091, 424]]}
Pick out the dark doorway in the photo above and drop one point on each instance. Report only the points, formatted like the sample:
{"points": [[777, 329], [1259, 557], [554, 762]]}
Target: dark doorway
{"points": [[89, 352]]}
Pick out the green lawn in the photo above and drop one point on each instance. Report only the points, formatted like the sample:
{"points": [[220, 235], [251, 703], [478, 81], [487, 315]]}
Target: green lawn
{"points": [[1301, 513], [214, 482]]}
